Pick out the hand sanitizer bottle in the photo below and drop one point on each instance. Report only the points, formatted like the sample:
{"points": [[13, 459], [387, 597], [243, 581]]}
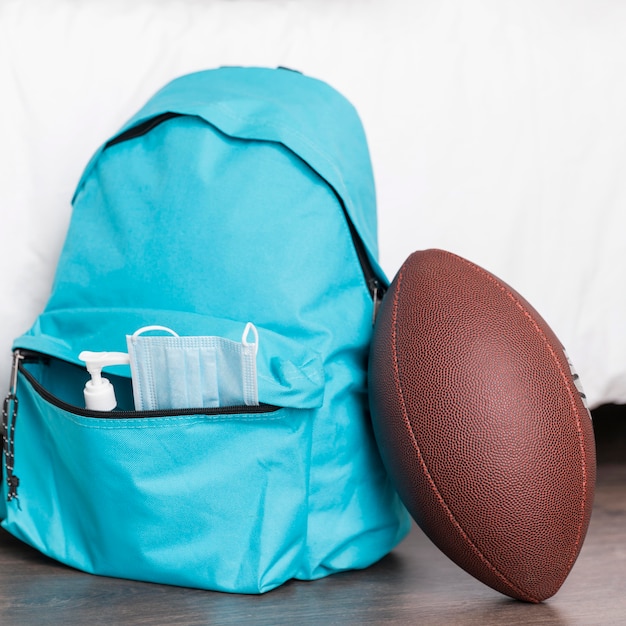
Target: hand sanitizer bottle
{"points": [[99, 392]]}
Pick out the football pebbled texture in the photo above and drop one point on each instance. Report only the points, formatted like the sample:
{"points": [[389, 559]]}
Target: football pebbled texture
{"points": [[482, 424]]}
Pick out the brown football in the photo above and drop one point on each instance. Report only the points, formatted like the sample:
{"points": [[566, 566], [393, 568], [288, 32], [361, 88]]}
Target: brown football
{"points": [[482, 424]]}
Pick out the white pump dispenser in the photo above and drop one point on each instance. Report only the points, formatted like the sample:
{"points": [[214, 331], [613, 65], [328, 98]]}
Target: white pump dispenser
{"points": [[99, 392]]}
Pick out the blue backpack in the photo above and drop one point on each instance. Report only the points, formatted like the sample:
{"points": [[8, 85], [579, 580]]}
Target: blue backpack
{"points": [[235, 195]]}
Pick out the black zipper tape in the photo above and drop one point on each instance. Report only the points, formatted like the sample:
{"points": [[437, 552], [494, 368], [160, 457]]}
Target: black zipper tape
{"points": [[71, 408], [375, 286], [141, 129]]}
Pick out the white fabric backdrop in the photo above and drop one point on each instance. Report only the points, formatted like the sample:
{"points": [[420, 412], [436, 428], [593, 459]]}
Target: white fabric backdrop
{"points": [[497, 130]]}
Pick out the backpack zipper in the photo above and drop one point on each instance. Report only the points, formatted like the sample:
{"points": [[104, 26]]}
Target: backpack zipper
{"points": [[28, 356], [141, 129], [374, 285]]}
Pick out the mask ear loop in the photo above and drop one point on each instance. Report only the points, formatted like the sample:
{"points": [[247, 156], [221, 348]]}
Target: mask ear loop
{"points": [[250, 328], [146, 329]]}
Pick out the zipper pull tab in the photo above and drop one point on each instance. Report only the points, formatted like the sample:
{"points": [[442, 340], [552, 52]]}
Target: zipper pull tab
{"points": [[9, 417], [17, 357], [377, 291]]}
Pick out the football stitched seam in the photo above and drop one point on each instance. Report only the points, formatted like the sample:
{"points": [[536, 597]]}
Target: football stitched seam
{"points": [[431, 481], [571, 395]]}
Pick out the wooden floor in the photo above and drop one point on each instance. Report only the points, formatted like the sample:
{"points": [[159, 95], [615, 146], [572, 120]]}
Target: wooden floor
{"points": [[416, 584]]}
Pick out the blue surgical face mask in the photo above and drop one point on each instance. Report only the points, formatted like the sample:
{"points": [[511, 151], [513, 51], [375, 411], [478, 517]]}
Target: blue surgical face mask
{"points": [[173, 372]]}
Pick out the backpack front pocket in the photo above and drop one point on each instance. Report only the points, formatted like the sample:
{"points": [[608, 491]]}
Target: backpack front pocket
{"points": [[181, 498]]}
